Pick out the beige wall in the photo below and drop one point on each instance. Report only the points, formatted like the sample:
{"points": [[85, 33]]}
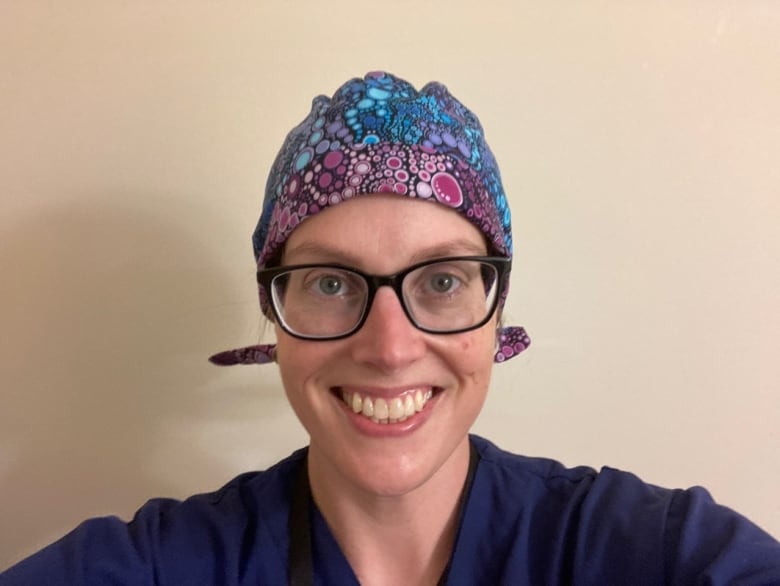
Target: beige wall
{"points": [[639, 143]]}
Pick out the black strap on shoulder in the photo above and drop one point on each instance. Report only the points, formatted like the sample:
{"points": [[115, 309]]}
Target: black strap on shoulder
{"points": [[300, 560], [299, 528], [464, 497]]}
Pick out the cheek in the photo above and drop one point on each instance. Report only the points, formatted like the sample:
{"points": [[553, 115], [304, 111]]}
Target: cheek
{"points": [[472, 355], [473, 362], [295, 363], [297, 368], [301, 362]]}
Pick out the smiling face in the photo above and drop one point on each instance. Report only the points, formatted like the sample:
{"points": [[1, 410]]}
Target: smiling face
{"points": [[389, 407]]}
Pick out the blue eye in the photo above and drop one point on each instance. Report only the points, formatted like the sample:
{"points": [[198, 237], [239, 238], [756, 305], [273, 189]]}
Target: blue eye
{"points": [[443, 282], [330, 285]]}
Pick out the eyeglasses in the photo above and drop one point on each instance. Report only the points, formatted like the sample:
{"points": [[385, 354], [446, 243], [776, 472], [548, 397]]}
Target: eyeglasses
{"points": [[332, 301]]}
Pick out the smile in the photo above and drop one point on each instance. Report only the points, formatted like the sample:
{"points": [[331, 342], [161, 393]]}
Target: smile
{"points": [[384, 411]]}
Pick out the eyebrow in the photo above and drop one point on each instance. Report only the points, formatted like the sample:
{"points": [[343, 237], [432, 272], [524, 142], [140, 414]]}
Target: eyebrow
{"points": [[314, 252]]}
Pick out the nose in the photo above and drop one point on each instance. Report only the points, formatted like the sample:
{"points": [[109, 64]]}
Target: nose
{"points": [[388, 341]]}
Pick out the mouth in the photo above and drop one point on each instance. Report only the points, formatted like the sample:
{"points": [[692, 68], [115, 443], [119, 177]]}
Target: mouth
{"points": [[387, 410]]}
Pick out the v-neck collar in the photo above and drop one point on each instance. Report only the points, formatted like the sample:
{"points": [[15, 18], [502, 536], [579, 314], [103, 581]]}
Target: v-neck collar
{"points": [[313, 546]]}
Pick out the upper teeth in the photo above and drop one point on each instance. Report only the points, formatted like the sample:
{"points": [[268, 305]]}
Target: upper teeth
{"points": [[392, 410]]}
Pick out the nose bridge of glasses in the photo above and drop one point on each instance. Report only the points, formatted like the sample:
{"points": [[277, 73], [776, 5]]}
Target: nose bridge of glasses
{"points": [[377, 281]]}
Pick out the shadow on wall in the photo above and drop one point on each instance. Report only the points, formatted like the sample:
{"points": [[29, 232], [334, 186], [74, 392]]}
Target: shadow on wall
{"points": [[105, 400]]}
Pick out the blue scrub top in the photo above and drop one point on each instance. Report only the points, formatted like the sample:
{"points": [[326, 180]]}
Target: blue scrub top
{"points": [[525, 521]]}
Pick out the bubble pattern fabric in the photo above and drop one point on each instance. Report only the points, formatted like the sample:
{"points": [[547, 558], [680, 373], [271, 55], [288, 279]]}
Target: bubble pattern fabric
{"points": [[375, 135], [379, 135]]}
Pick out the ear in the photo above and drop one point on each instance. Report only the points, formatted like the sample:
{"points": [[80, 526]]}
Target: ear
{"points": [[499, 326]]}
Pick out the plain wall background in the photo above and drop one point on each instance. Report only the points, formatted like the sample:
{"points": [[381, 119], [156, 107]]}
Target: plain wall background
{"points": [[639, 143]]}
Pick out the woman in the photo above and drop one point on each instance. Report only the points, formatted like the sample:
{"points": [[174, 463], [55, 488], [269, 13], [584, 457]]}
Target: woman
{"points": [[383, 254]]}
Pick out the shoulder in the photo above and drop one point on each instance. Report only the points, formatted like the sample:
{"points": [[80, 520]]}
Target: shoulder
{"points": [[533, 477], [244, 523], [249, 493], [604, 490], [542, 469], [237, 530], [604, 526]]}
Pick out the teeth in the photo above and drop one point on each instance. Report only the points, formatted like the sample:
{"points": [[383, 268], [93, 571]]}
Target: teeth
{"points": [[409, 409], [368, 407], [380, 409], [396, 408], [419, 401], [385, 411]]}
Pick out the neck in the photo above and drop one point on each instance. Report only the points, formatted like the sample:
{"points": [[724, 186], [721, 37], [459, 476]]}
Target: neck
{"points": [[393, 539]]}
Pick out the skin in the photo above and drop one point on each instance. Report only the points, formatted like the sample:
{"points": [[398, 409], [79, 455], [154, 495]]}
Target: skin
{"points": [[394, 494]]}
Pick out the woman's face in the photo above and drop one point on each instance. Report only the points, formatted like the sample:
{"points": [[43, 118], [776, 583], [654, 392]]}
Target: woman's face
{"points": [[388, 360]]}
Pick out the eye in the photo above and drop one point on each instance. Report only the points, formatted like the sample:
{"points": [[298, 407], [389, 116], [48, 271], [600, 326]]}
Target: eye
{"points": [[330, 285], [443, 282]]}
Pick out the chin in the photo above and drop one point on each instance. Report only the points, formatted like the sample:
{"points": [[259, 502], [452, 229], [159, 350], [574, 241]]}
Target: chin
{"points": [[388, 474], [383, 467]]}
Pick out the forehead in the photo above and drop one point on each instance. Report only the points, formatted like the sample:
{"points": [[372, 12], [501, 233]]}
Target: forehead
{"points": [[383, 230]]}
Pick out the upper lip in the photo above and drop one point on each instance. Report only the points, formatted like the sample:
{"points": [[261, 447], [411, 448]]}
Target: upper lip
{"points": [[385, 392]]}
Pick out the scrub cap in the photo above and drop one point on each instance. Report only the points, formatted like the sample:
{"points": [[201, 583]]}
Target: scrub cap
{"points": [[380, 135]]}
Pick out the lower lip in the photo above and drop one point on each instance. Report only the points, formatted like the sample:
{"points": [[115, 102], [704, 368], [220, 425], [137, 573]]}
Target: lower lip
{"points": [[366, 426]]}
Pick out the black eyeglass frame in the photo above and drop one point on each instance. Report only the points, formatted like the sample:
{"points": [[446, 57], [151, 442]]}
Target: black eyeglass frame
{"points": [[501, 264]]}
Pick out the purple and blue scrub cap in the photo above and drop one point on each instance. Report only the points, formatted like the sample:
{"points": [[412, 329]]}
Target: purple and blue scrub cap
{"points": [[380, 135]]}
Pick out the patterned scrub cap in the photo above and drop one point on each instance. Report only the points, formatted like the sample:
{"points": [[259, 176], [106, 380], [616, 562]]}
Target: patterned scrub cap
{"points": [[380, 135]]}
